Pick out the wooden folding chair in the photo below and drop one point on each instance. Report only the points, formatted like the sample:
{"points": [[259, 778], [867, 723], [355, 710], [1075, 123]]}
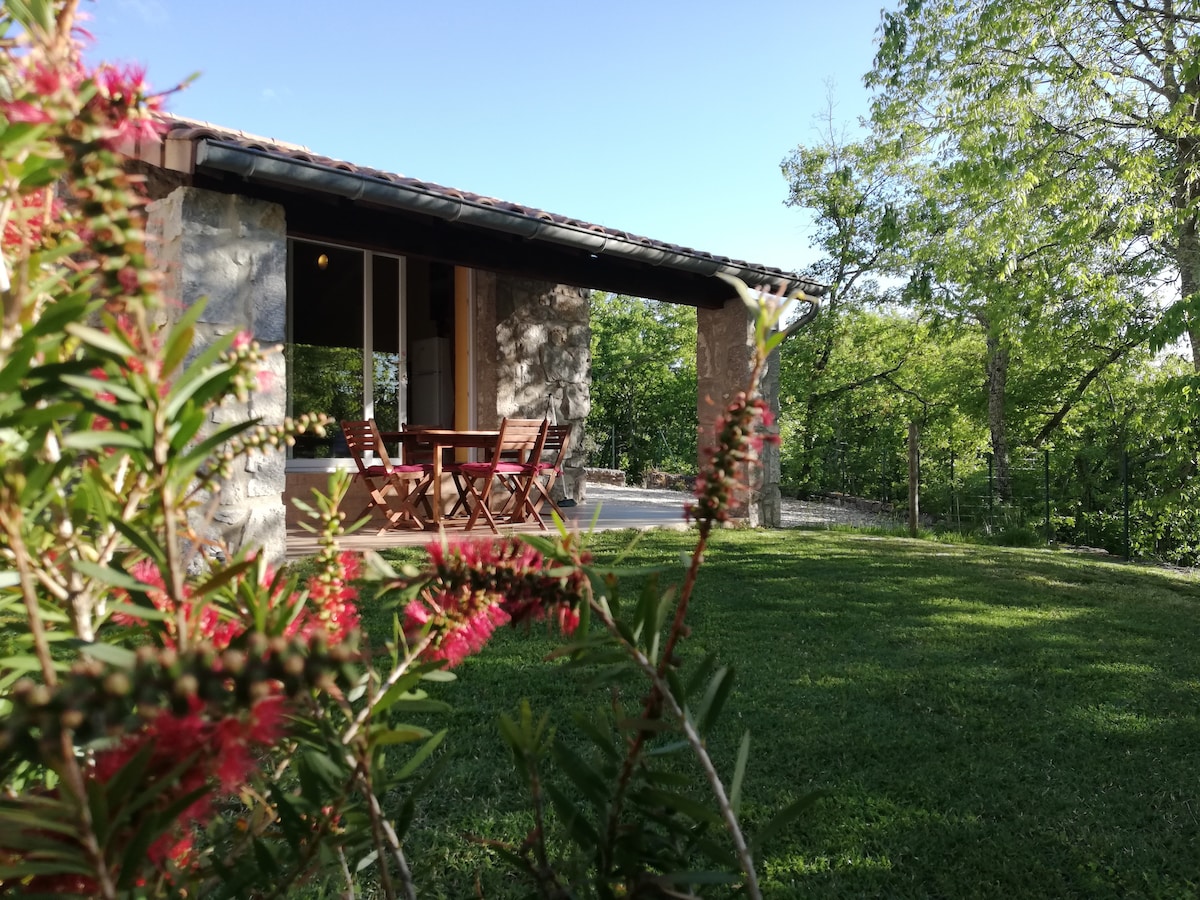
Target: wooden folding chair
{"points": [[395, 490], [513, 464], [556, 447]]}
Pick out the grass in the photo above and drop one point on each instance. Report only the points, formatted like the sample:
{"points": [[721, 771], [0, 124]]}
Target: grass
{"points": [[987, 722]]}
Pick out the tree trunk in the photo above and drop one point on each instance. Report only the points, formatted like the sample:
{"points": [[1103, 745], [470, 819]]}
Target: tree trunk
{"points": [[997, 378], [1189, 282], [1187, 245]]}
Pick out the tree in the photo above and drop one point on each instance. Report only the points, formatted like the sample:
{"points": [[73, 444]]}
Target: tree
{"points": [[1098, 96], [1039, 219], [643, 384], [851, 189]]}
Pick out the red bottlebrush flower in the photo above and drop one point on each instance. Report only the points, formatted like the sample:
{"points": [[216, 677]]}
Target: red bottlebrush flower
{"points": [[128, 278], [25, 112], [170, 847], [124, 104], [331, 607], [739, 440], [477, 586], [469, 637], [45, 80], [221, 750], [207, 621], [28, 224], [267, 721], [351, 564]]}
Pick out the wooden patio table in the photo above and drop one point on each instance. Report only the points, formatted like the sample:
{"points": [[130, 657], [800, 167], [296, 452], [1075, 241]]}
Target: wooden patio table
{"points": [[440, 440]]}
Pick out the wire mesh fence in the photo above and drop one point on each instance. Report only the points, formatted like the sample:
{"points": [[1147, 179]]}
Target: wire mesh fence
{"points": [[1045, 496]]}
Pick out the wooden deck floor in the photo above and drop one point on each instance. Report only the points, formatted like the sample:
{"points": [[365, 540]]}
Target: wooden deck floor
{"points": [[619, 508]]}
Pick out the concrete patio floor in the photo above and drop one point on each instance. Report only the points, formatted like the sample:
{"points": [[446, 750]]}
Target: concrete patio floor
{"points": [[619, 508]]}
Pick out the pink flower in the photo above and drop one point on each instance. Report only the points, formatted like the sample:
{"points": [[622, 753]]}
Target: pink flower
{"points": [[23, 111], [45, 80], [128, 278], [477, 586]]}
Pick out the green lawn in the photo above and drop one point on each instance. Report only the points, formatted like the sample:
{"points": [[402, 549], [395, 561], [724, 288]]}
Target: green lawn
{"points": [[987, 722]]}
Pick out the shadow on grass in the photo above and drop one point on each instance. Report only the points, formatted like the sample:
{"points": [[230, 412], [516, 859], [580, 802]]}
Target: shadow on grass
{"points": [[988, 721]]}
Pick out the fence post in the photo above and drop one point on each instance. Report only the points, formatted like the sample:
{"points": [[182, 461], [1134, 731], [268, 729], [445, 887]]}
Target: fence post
{"points": [[1125, 496], [914, 479], [953, 494], [1046, 469], [991, 489]]}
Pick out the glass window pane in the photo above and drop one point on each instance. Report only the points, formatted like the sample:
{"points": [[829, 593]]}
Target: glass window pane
{"points": [[325, 357]]}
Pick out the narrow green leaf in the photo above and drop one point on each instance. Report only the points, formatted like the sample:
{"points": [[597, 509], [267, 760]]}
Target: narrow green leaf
{"points": [[106, 342], [399, 734], [97, 440], [414, 762], [598, 731], [264, 858], [739, 773], [709, 708], [401, 688], [680, 803], [111, 576], [181, 337], [783, 818], [575, 822], [290, 823], [366, 861], [591, 783]]}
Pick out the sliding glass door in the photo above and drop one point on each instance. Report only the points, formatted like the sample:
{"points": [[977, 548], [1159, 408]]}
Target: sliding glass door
{"points": [[370, 335]]}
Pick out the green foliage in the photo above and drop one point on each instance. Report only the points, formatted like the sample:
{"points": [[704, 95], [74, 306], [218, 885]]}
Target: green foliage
{"points": [[1035, 702], [644, 412]]}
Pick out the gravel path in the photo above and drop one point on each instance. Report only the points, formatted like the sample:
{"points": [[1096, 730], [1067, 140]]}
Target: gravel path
{"points": [[807, 513], [796, 513]]}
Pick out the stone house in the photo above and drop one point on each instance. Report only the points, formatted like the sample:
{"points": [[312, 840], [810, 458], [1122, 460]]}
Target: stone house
{"points": [[404, 300]]}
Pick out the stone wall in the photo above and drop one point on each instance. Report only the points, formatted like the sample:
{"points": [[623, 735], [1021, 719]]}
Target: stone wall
{"points": [[724, 361], [533, 357], [615, 477], [232, 251]]}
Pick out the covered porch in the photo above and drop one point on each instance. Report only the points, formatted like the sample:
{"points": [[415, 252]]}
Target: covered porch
{"points": [[410, 303], [612, 509]]}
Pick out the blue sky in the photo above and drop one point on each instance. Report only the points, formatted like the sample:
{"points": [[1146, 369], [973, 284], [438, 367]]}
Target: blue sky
{"points": [[663, 118]]}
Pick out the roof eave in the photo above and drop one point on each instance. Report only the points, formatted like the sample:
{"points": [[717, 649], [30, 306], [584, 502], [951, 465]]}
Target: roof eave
{"points": [[299, 174]]}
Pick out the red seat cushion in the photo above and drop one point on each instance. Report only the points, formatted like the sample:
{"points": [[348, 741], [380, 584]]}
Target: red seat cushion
{"points": [[379, 471], [479, 470]]}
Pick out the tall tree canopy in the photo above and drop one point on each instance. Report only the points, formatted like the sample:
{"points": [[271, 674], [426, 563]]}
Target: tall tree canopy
{"points": [[1094, 100], [643, 385]]}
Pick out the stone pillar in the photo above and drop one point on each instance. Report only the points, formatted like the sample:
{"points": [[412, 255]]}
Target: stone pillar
{"points": [[231, 251], [541, 359], [724, 361]]}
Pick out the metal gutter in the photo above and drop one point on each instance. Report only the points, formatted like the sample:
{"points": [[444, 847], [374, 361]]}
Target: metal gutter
{"points": [[260, 165]]}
